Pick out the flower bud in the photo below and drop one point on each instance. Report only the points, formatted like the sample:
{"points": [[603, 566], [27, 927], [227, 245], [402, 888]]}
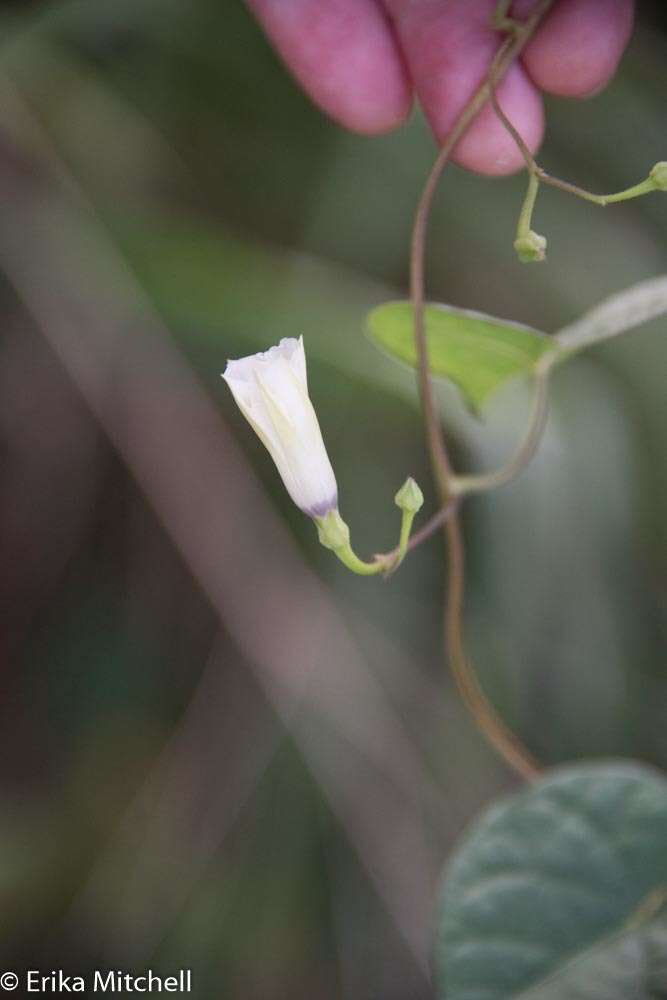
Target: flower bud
{"points": [[409, 498], [530, 247], [271, 391], [659, 175]]}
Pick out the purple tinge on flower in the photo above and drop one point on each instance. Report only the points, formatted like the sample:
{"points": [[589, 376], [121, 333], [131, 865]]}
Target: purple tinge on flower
{"points": [[271, 390]]}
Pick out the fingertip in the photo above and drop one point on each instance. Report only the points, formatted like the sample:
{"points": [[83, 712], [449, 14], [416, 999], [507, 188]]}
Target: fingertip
{"points": [[579, 46], [449, 46], [344, 55], [372, 116], [487, 147]]}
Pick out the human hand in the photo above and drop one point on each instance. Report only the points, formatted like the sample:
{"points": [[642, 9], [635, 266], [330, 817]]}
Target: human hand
{"points": [[361, 61]]}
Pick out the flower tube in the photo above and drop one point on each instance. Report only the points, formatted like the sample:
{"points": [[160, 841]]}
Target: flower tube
{"points": [[271, 390]]}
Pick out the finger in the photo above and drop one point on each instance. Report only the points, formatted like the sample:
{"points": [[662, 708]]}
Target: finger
{"points": [[577, 49], [449, 45], [344, 55]]}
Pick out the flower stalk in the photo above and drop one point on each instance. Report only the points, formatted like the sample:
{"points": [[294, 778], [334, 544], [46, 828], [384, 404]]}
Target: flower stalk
{"points": [[529, 245], [334, 534]]}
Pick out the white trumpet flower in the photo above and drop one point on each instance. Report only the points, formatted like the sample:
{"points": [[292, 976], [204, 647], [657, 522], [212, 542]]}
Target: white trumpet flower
{"points": [[271, 390]]}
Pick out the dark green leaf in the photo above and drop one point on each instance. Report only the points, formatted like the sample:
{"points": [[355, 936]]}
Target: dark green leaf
{"points": [[628, 964], [556, 893]]}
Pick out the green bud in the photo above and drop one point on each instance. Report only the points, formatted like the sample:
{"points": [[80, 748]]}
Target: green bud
{"points": [[332, 531], [659, 175], [530, 247], [409, 498]]}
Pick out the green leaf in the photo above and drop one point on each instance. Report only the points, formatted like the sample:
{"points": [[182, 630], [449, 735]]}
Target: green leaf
{"points": [[556, 893], [474, 351]]}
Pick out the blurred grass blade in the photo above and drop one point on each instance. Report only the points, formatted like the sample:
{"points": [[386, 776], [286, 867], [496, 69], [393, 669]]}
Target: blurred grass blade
{"points": [[617, 314], [474, 351], [558, 892]]}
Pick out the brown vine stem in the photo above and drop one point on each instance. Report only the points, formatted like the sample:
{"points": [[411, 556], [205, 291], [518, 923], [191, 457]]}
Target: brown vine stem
{"points": [[487, 719], [535, 170], [432, 525], [463, 485]]}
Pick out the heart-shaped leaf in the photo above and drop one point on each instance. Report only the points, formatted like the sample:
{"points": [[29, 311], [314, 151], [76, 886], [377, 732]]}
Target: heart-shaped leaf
{"points": [[474, 351], [559, 892]]}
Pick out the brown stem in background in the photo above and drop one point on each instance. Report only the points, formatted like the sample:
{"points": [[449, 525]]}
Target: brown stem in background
{"points": [[486, 717], [77, 286]]}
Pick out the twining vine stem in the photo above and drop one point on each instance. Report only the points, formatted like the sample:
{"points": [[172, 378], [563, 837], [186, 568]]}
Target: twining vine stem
{"points": [[499, 735], [537, 175], [463, 485]]}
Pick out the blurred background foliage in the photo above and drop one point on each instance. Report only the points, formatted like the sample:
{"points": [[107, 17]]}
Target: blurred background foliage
{"points": [[219, 750]]}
